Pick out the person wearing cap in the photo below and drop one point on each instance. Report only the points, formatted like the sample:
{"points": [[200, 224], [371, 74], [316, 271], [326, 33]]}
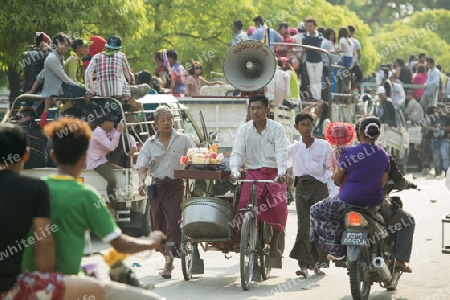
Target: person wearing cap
{"points": [[105, 140], [113, 75], [265, 34], [386, 110], [33, 61], [74, 65], [37, 142], [239, 34], [308, 163]]}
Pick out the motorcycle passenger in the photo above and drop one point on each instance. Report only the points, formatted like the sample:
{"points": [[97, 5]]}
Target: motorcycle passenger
{"points": [[361, 188], [395, 216]]}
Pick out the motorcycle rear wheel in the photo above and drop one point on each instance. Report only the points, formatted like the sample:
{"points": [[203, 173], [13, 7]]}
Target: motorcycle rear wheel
{"points": [[359, 284]]}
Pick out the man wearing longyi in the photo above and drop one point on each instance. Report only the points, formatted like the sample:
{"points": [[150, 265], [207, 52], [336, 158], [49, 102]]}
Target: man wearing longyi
{"points": [[260, 145]]}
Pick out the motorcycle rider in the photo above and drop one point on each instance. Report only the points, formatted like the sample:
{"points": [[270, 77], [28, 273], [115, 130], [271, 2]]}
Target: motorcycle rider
{"points": [[394, 215], [361, 188]]}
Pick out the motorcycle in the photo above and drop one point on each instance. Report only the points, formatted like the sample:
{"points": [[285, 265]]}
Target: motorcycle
{"points": [[370, 248]]}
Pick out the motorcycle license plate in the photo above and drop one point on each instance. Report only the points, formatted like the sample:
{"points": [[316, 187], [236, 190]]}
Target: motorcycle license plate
{"points": [[354, 238]]}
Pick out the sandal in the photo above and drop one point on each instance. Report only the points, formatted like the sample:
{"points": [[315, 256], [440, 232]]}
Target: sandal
{"points": [[400, 265], [278, 254], [318, 272], [302, 272]]}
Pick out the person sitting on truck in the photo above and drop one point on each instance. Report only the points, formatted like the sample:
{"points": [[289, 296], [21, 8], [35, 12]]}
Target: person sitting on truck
{"points": [[160, 156], [386, 111], [34, 61], [260, 145], [105, 140], [76, 208], [178, 75], [24, 207], [414, 110], [37, 141], [195, 81]]}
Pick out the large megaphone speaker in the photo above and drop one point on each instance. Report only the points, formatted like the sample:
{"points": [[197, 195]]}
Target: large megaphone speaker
{"points": [[249, 65]]}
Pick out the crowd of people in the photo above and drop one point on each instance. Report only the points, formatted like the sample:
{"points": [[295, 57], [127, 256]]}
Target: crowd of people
{"points": [[308, 67], [98, 67]]}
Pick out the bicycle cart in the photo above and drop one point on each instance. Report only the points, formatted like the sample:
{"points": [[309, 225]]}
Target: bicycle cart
{"points": [[213, 223]]}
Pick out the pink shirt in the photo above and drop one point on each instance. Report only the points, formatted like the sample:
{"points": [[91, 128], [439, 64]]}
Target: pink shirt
{"points": [[193, 85], [102, 143], [420, 78]]}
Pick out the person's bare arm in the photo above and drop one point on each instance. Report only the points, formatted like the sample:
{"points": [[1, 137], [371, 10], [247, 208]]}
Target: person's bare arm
{"points": [[129, 245], [358, 54], [44, 247], [385, 178], [142, 173], [289, 177], [339, 175]]}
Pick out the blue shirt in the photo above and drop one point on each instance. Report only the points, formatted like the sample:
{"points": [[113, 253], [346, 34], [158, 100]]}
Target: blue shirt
{"points": [[258, 35], [365, 166], [316, 41]]}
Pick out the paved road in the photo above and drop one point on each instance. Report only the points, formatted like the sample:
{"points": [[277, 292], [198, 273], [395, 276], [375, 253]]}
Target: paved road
{"points": [[429, 280]]}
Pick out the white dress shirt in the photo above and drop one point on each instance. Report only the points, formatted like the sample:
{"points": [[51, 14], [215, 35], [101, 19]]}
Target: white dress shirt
{"points": [[279, 87], [310, 161], [259, 150]]}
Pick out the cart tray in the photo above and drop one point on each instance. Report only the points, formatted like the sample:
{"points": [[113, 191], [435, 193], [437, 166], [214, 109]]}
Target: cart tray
{"points": [[202, 174]]}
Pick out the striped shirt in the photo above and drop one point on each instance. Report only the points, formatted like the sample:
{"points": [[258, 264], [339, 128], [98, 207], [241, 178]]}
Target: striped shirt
{"points": [[111, 75]]}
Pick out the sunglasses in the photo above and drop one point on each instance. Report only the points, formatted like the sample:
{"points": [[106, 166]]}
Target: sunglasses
{"points": [[198, 68]]}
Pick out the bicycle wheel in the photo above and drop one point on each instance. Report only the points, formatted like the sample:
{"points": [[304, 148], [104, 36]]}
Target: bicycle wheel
{"points": [[247, 251], [264, 251], [187, 249]]}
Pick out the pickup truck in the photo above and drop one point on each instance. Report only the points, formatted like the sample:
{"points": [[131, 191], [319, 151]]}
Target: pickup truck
{"points": [[132, 215], [395, 140]]}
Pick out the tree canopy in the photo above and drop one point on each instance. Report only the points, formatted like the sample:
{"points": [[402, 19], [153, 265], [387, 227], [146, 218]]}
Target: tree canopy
{"points": [[381, 12], [202, 30], [426, 32]]}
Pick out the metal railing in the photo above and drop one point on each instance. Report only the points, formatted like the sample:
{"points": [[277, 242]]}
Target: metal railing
{"points": [[330, 66], [373, 85]]}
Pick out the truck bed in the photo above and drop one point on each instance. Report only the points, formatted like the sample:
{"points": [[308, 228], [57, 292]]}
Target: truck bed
{"points": [[127, 181]]}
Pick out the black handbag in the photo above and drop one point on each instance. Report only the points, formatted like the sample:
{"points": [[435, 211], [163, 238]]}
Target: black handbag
{"points": [[151, 192]]}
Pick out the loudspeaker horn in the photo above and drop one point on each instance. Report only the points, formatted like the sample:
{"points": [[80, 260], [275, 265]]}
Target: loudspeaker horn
{"points": [[249, 65]]}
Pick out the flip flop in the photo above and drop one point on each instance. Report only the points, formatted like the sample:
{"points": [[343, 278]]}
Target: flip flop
{"points": [[403, 267], [165, 274], [302, 273], [319, 273], [278, 255]]}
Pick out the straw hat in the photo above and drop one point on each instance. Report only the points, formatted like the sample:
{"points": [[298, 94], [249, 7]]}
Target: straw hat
{"points": [[339, 133]]}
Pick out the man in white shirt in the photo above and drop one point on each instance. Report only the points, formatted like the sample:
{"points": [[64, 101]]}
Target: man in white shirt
{"points": [[356, 55], [239, 34], [432, 81], [414, 110], [309, 158], [279, 87], [260, 145]]}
